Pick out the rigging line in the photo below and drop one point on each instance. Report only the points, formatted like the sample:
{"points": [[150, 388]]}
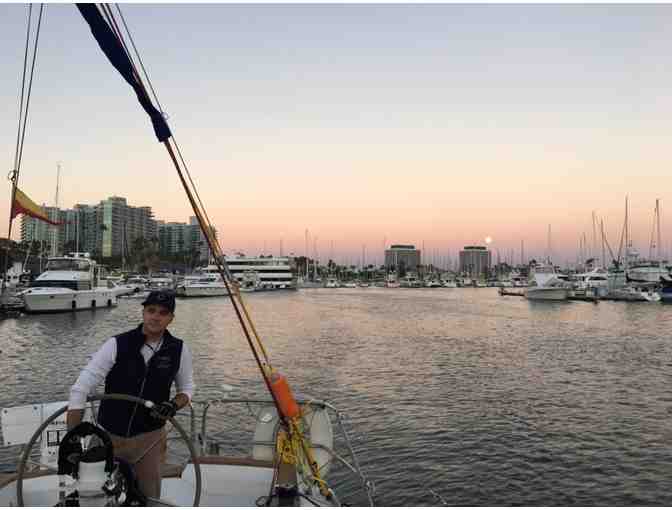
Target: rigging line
{"points": [[14, 174], [30, 82], [115, 28], [25, 115], [158, 103], [137, 54], [23, 89], [202, 217], [233, 301]]}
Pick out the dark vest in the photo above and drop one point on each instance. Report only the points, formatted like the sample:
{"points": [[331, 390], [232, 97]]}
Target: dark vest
{"points": [[130, 376]]}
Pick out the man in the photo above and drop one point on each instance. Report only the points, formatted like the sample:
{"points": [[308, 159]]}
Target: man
{"points": [[144, 363]]}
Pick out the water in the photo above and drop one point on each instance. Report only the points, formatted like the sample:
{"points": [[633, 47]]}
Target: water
{"points": [[456, 395]]}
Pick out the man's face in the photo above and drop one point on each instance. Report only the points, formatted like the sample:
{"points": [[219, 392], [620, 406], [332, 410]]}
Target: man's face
{"points": [[156, 318]]}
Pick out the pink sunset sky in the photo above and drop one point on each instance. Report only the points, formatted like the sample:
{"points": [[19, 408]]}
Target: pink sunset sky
{"points": [[439, 124]]}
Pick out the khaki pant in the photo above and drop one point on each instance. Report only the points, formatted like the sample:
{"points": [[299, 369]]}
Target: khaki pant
{"points": [[146, 452]]}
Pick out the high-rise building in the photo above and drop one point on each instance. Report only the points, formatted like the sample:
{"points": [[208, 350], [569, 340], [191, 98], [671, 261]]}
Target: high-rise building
{"points": [[181, 238], [108, 229], [475, 261], [121, 224], [175, 238], [402, 257], [204, 253]]}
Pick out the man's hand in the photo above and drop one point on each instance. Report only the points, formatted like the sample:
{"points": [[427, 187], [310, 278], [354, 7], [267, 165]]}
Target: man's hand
{"points": [[164, 410], [74, 418]]}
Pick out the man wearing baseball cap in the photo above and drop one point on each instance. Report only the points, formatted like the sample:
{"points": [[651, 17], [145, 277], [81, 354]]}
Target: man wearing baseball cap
{"points": [[143, 362]]}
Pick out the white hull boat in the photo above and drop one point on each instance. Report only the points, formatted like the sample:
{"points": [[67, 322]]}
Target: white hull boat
{"points": [[48, 299], [202, 290], [68, 284], [628, 293], [545, 294], [544, 284]]}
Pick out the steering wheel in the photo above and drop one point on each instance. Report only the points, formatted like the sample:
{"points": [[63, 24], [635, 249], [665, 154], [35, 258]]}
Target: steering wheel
{"points": [[111, 396]]}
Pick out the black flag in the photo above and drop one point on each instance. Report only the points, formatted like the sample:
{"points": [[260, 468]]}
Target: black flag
{"points": [[111, 46]]}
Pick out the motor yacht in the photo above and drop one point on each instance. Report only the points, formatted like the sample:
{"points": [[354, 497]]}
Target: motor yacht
{"points": [[544, 284], [69, 283]]}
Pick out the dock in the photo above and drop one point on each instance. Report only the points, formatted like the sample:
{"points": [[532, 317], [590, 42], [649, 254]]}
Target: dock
{"points": [[511, 292]]}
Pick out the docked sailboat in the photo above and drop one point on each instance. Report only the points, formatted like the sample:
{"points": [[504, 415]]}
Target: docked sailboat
{"points": [[69, 283], [292, 448]]}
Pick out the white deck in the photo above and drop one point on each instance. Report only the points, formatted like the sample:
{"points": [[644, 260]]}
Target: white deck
{"points": [[222, 485]]}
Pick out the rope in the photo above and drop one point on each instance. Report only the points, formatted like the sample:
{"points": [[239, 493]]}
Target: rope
{"points": [[195, 199], [23, 122], [296, 441], [179, 152]]}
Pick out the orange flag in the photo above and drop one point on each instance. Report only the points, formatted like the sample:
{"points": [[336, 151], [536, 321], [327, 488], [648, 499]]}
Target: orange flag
{"points": [[24, 205]]}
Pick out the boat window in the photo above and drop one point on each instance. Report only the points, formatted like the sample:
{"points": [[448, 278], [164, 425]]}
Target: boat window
{"points": [[68, 265]]}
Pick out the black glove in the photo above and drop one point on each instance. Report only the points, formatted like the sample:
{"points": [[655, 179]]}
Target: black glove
{"points": [[164, 410]]}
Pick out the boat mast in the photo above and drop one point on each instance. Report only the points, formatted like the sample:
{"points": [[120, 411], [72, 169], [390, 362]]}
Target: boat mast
{"points": [[660, 263], [54, 231], [306, 254], [627, 237], [594, 247], [604, 261]]}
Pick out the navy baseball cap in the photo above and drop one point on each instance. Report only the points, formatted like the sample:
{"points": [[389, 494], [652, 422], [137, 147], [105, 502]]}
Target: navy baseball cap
{"points": [[161, 297]]}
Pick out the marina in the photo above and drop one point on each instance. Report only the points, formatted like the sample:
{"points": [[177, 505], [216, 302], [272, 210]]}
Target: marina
{"points": [[363, 368], [457, 396]]}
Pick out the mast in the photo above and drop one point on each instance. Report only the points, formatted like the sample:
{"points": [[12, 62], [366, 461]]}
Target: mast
{"points": [[306, 254], [54, 230], [658, 232], [594, 247], [550, 250], [604, 259], [627, 237]]}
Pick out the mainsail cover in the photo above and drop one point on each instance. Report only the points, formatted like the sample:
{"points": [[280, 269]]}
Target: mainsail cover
{"points": [[24, 205], [116, 54]]}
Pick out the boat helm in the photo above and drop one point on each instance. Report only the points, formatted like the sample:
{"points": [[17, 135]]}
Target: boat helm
{"points": [[86, 460]]}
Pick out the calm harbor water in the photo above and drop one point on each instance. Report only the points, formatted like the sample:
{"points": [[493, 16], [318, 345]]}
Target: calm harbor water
{"points": [[460, 393]]}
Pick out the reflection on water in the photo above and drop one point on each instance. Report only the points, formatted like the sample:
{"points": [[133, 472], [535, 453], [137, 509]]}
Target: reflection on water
{"points": [[485, 400]]}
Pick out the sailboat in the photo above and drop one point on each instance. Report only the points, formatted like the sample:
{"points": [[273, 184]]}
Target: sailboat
{"points": [[625, 289], [294, 442], [652, 270]]}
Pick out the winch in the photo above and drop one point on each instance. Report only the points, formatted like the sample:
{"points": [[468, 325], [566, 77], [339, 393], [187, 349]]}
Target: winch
{"points": [[88, 473]]}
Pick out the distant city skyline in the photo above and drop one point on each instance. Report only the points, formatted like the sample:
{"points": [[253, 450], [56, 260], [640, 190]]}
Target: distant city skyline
{"points": [[440, 124]]}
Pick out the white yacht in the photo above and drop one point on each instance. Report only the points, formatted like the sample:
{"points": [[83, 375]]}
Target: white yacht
{"points": [[68, 283], [648, 272], [410, 281], [161, 281], [591, 283], [206, 282], [432, 283], [275, 273], [332, 283], [635, 293], [391, 281], [544, 284]]}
